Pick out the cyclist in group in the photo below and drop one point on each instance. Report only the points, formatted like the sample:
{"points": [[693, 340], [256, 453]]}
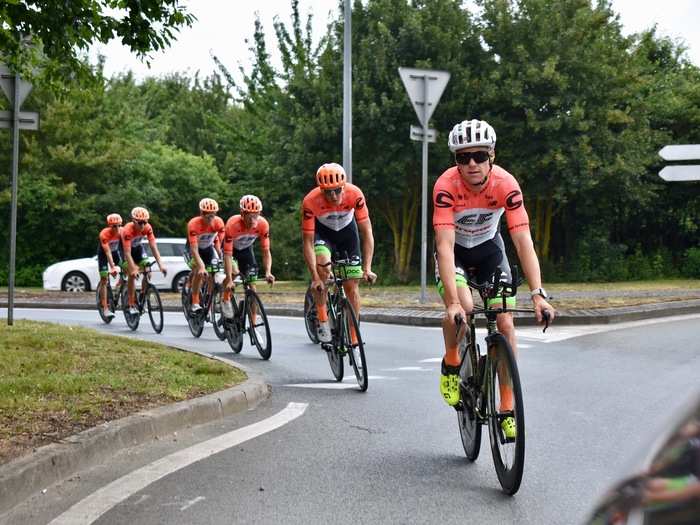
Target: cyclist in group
{"points": [[334, 218], [239, 235], [204, 235], [109, 256], [469, 200], [133, 234]]}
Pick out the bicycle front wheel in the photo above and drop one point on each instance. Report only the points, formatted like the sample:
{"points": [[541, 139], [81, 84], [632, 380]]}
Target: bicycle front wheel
{"points": [[185, 297], [310, 320], [354, 346], [217, 316], [258, 326], [467, 416], [110, 302], [505, 401], [155, 309]]}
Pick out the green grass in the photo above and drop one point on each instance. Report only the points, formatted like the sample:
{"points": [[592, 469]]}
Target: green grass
{"points": [[56, 380]]}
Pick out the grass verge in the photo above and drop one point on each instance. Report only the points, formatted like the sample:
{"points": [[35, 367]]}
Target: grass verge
{"points": [[59, 380]]}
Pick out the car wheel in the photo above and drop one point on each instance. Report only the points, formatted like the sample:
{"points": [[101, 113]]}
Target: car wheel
{"points": [[75, 282], [179, 281]]}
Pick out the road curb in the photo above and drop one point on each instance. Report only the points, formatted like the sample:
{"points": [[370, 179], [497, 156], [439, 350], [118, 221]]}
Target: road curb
{"points": [[21, 478], [424, 317]]}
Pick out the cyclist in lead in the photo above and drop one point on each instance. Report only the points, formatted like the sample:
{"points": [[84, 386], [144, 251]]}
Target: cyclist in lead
{"points": [[109, 256], [333, 212], [204, 235], [469, 200]]}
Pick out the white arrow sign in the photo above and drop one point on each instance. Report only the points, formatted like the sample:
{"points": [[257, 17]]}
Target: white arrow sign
{"points": [[680, 173], [424, 88], [680, 152]]}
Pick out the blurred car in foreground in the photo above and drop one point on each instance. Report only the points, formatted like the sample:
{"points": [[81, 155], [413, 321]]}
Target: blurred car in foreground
{"points": [[81, 275], [664, 489]]}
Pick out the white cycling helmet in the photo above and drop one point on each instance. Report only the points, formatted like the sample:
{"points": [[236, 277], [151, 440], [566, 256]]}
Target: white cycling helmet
{"points": [[471, 133]]}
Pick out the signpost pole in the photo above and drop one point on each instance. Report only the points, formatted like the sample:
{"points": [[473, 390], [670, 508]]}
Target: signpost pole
{"points": [[424, 198], [347, 91], [13, 212]]}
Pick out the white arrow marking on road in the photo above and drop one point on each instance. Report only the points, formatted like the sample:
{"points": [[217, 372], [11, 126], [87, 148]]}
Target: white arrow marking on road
{"points": [[192, 502], [96, 504]]}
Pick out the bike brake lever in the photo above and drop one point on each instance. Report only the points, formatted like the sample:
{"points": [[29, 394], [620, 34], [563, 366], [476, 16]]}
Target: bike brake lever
{"points": [[546, 316]]}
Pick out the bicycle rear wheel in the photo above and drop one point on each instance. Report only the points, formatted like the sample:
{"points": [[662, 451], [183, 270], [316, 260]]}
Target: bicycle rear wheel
{"points": [[155, 308], [356, 351], [508, 453], [217, 316], [258, 326], [110, 302], [185, 297], [469, 423]]}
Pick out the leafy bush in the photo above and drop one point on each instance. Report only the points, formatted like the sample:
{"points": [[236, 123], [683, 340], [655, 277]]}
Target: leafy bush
{"points": [[24, 275], [691, 266]]}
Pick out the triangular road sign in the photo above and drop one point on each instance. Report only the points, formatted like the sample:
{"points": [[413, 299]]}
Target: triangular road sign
{"points": [[7, 83], [424, 88]]}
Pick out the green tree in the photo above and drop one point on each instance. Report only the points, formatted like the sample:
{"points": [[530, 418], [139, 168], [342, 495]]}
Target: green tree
{"points": [[35, 30]]}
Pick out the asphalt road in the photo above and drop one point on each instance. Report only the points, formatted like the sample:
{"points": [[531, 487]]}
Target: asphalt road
{"points": [[593, 396]]}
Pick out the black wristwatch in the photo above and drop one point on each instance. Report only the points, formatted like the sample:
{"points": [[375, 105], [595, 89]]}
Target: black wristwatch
{"points": [[539, 291]]}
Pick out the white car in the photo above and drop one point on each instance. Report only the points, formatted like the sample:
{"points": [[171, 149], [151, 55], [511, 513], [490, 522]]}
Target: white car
{"points": [[80, 275]]}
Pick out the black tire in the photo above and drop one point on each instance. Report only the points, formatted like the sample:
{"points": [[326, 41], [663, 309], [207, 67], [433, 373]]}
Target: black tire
{"points": [[233, 328], [335, 357], [356, 352], [467, 419], [217, 316], [155, 308], [261, 338], [179, 282], [110, 302], [132, 321], [508, 456], [310, 319], [75, 282], [185, 300]]}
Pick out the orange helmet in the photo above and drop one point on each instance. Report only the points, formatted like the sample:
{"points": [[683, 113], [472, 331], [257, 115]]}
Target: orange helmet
{"points": [[208, 205], [114, 219], [140, 214], [251, 204], [330, 176]]}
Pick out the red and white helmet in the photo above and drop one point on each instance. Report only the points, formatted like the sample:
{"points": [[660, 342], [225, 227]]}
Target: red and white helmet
{"points": [[470, 134], [330, 176], [207, 205], [250, 204], [114, 219], [140, 214]]}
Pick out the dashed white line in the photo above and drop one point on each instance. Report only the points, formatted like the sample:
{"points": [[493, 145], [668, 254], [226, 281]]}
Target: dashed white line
{"points": [[96, 504], [192, 502]]}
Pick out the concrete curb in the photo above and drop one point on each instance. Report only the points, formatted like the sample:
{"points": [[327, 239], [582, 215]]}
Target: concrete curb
{"points": [[425, 317], [21, 478]]}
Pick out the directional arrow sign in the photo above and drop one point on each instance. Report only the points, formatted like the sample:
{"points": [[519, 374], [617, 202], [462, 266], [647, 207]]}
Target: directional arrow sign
{"points": [[27, 119], [424, 88], [7, 84], [680, 152], [680, 173]]}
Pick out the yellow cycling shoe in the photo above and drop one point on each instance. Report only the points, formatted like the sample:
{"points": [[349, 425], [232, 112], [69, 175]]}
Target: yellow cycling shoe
{"points": [[508, 427], [449, 384]]}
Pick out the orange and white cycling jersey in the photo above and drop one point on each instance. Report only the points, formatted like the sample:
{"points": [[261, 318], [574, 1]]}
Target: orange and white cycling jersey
{"points": [[131, 237], [202, 234], [475, 217], [333, 216], [110, 238], [239, 237]]}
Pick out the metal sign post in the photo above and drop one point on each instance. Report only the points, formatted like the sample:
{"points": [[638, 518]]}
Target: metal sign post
{"points": [[16, 90], [680, 172], [424, 88]]}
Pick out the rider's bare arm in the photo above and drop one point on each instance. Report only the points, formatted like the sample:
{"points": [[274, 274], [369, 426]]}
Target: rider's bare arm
{"points": [[365, 228], [522, 240], [309, 254]]}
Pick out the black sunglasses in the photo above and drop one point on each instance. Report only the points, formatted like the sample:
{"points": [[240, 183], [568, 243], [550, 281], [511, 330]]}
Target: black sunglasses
{"points": [[478, 156], [141, 223], [335, 191]]}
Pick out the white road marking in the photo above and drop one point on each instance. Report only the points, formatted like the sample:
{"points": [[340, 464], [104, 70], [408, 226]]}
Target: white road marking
{"points": [[192, 502], [432, 360], [96, 504], [407, 369], [329, 386]]}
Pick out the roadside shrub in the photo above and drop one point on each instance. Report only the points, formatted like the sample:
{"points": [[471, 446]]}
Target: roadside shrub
{"points": [[691, 264], [27, 276]]}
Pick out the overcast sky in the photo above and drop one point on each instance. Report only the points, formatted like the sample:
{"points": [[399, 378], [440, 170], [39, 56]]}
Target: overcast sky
{"points": [[224, 25]]}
